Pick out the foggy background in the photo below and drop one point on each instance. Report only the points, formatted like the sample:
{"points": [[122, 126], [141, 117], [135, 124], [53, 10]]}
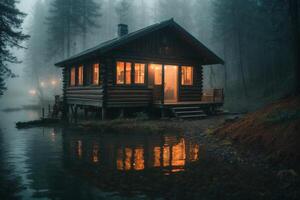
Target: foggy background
{"points": [[251, 36]]}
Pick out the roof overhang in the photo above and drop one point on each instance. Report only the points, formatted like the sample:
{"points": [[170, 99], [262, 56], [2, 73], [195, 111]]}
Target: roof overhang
{"points": [[208, 57]]}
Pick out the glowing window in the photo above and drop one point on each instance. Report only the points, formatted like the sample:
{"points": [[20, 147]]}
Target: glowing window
{"points": [[120, 76], [123, 75], [186, 75], [128, 73], [73, 72], [139, 73], [80, 75], [96, 72], [158, 74]]}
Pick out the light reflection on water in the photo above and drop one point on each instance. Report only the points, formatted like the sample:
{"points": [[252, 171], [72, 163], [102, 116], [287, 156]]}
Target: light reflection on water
{"points": [[133, 152], [50, 162]]}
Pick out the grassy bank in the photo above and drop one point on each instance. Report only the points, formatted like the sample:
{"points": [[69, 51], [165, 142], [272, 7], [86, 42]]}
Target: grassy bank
{"points": [[153, 126], [274, 130]]}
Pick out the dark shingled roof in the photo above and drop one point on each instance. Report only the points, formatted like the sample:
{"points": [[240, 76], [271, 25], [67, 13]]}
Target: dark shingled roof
{"points": [[209, 57]]}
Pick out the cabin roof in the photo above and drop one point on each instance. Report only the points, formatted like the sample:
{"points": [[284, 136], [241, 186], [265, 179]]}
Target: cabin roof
{"points": [[209, 58]]}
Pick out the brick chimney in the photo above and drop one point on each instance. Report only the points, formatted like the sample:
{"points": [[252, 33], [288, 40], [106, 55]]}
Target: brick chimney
{"points": [[122, 29]]}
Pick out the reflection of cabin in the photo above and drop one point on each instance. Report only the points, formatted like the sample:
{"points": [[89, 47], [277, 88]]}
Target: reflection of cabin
{"points": [[160, 66], [132, 152]]}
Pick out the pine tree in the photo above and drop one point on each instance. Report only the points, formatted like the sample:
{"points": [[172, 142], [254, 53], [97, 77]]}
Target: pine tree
{"points": [[36, 62], [90, 13], [11, 35], [63, 26], [69, 19]]}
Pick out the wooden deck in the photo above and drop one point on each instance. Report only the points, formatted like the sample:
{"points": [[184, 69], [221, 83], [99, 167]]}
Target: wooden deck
{"points": [[189, 103]]}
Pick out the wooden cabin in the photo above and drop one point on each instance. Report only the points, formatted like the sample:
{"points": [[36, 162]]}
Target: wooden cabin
{"points": [[159, 67]]}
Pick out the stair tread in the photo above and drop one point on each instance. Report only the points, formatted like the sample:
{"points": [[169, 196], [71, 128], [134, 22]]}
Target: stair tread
{"points": [[185, 108], [192, 111], [193, 116]]}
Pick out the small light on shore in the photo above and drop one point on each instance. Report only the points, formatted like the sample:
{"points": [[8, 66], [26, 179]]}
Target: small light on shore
{"points": [[53, 82], [42, 84], [32, 92]]}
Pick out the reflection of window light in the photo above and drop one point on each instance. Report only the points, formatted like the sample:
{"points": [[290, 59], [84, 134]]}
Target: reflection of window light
{"points": [[95, 153], [128, 158], [53, 137], [79, 148], [139, 159]]}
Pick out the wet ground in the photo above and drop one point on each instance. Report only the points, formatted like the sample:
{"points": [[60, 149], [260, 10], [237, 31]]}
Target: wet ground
{"points": [[64, 163]]}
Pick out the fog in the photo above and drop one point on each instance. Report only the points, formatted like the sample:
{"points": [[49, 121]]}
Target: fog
{"points": [[246, 37], [17, 88]]}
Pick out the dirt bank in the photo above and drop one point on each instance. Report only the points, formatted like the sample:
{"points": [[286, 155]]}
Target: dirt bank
{"points": [[274, 130]]}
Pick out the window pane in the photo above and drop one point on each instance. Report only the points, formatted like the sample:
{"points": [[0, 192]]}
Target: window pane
{"points": [[96, 70], [73, 71], [139, 73], [187, 75], [120, 73], [157, 74], [128, 73], [80, 75]]}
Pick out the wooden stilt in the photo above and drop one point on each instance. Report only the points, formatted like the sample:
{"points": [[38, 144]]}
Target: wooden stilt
{"points": [[163, 114], [103, 113], [122, 114], [86, 112], [75, 113]]}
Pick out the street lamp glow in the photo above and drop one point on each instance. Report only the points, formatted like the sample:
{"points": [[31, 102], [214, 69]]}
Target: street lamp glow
{"points": [[42, 83], [53, 82], [32, 92]]}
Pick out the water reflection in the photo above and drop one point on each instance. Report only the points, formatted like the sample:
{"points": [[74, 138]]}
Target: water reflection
{"points": [[169, 153]]}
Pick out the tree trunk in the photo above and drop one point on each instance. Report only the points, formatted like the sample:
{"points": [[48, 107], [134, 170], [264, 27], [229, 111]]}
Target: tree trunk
{"points": [[294, 14], [241, 61]]}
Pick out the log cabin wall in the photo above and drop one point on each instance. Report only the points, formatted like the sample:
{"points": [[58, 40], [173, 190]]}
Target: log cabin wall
{"points": [[160, 47], [125, 95], [194, 92], [86, 94]]}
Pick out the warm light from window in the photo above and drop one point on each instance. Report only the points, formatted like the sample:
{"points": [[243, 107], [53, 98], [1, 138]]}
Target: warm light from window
{"points": [[186, 75], [158, 74], [120, 73], [73, 72], [139, 73], [128, 73], [96, 73], [80, 75]]}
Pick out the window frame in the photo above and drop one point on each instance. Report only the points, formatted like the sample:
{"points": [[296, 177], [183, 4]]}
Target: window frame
{"points": [[182, 75], [145, 72], [78, 77], [73, 68], [99, 68]]}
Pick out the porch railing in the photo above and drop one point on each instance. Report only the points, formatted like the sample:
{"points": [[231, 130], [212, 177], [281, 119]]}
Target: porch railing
{"points": [[213, 95]]}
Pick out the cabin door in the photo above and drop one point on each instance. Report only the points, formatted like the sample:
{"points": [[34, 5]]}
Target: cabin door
{"points": [[171, 84]]}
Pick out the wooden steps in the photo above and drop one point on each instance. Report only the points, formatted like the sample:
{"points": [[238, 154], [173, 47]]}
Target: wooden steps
{"points": [[186, 112]]}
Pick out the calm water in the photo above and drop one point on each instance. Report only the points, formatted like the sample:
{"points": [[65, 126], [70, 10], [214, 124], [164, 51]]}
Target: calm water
{"points": [[58, 163]]}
